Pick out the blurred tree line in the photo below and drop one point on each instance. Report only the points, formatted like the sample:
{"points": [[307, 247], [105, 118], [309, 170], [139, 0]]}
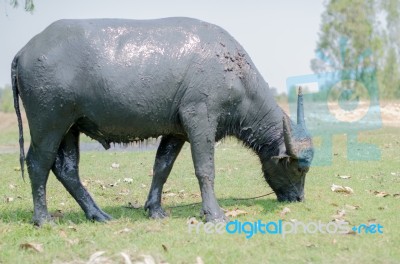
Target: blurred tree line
{"points": [[6, 99], [29, 5], [357, 36]]}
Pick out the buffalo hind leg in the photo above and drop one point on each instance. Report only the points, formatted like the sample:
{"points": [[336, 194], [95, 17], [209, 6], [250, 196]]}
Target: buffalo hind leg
{"points": [[39, 162], [167, 152], [67, 172]]}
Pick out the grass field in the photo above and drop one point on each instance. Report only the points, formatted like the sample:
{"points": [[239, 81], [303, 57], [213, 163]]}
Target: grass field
{"points": [[132, 236]]}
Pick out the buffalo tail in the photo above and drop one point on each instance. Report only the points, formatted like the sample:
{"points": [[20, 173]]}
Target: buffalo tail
{"points": [[14, 78]]}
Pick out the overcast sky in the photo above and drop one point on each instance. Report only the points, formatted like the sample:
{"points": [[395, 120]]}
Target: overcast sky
{"points": [[280, 36]]}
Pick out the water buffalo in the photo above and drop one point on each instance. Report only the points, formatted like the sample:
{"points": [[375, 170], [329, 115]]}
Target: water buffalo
{"points": [[120, 81]]}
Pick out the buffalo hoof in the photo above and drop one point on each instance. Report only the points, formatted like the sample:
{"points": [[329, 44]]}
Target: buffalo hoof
{"points": [[157, 213], [40, 221], [155, 210], [215, 217], [98, 216]]}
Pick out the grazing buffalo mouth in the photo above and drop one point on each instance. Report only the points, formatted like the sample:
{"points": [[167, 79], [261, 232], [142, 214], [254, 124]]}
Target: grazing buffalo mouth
{"points": [[291, 197]]}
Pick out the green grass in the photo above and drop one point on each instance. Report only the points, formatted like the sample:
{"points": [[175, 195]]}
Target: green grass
{"points": [[73, 239]]}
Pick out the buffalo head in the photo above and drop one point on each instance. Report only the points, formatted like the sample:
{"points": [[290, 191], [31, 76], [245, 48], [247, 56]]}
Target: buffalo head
{"points": [[286, 171]]}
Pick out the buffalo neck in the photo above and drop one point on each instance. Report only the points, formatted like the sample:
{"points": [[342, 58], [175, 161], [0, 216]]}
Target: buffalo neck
{"points": [[260, 126]]}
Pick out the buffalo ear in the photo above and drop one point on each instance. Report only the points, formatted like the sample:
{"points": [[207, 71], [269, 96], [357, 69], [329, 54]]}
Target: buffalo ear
{"points": [[288, 138]]}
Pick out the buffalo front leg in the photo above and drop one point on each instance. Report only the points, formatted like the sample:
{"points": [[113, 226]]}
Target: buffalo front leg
{"points": [[66, 169], [201, 132], [167, 152]]}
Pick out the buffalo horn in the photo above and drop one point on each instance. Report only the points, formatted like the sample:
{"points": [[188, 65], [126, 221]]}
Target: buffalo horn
{"points": [[300, 109]]}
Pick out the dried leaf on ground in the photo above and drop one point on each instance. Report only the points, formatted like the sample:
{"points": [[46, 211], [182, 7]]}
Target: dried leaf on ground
{"points": [[167, 190], [235, 213], [181, 194], [351, 232], [352, 207], [311, 245], [128, 180], [73, 228], [9, 199], [72, 242], [284, 212], [341, 189], [63, 234], [345, 177], [97, 258], [125, 230], [337, 220], [199, 260], [145, 259], [348, 190], [164, 247], [380, 194], [192, 221], [114, 165], [124, 192], [339, 214], [32, 246], [134, 205], [195, 195], [126, 257], [115, 183], [153, 228]]}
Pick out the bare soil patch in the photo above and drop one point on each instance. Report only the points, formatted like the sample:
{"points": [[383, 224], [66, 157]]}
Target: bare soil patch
{"points": [[8, 121]]}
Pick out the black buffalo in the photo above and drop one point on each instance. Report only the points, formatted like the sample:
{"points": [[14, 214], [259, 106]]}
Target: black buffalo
{"points": [[125, 80]]}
